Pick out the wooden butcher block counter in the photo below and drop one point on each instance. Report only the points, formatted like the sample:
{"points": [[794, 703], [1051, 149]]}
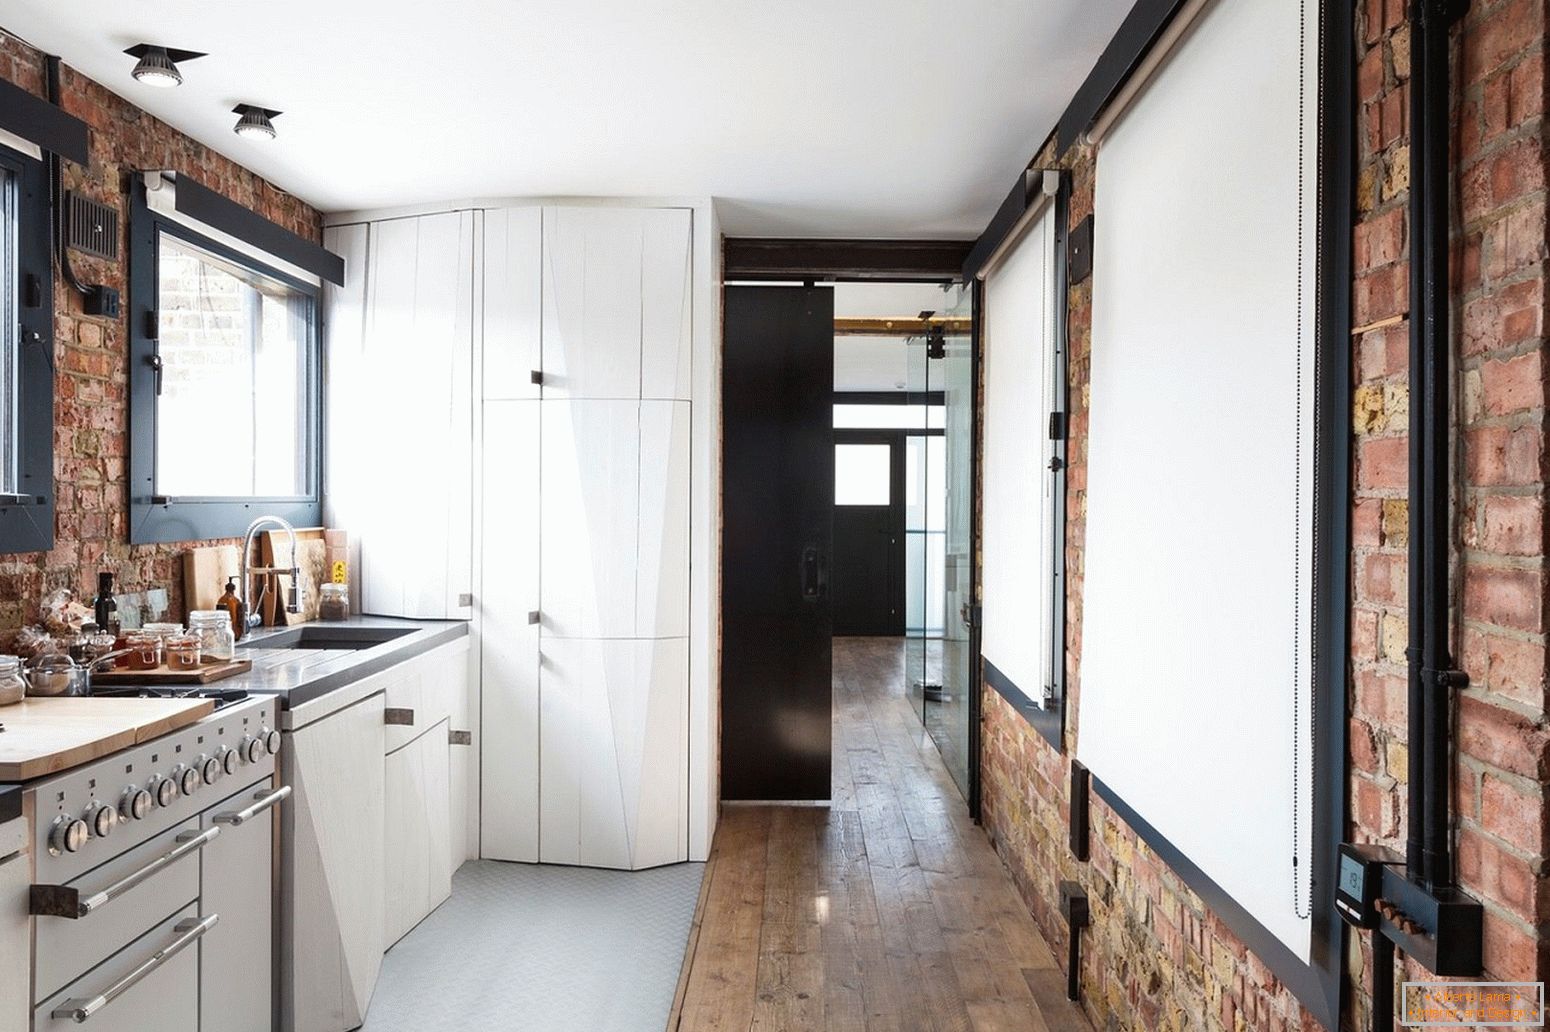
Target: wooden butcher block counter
{"points": [[45, 736]]}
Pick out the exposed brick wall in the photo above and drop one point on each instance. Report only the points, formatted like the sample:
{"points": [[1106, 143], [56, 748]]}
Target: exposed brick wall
{"points": [[1155, 957], [90, 354]]}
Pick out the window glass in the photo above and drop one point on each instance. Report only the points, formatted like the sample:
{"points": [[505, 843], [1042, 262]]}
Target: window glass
{"points": [[862, 474], [233, 416], [10, 328]]}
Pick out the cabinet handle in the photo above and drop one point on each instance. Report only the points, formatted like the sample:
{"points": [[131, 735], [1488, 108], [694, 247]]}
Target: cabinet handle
{"points": [[538, 377], [460, 738], [400, 716], [66, 901], [533, 616], [189, 932], [263, 801]]}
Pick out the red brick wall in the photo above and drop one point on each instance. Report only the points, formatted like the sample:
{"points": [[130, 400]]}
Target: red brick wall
{"points": [[90, 410], [1155, 957]]}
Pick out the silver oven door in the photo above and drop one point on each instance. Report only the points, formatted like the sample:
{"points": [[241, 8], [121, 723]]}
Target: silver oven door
{"points": [[151, 985], [237, 882]]}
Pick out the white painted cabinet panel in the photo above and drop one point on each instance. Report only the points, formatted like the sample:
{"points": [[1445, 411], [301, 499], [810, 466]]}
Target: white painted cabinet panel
{"points": [[331, 883], [344, 335], [666, 302], [588, 491], [612, 754], [662, 526], [508, 751], [417, 873], [408, 426], [513, 302]]}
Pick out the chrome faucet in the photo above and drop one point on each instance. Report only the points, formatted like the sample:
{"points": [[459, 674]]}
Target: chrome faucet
{"points": [[251, 617]]}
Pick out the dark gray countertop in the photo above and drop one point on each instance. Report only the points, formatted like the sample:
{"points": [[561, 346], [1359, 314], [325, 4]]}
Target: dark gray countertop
{"points": [[299, 675]]}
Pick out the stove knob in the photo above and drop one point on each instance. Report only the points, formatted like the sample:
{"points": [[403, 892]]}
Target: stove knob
{"points": [[209, 768], [252, 749], [163, 790], [69, 835], [102, 820], [187, 778], [228, 759], [135, 804], [271, 740]]}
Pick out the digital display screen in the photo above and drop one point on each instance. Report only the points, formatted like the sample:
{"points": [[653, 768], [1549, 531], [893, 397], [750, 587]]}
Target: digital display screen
{"points": [[1351, 876]]}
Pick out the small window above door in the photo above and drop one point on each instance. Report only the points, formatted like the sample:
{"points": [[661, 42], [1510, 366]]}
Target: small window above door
{"points": [[863, 474]]}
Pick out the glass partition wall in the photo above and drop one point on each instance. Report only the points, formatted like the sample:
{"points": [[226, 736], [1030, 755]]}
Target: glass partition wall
{"points": [[939, 486]]}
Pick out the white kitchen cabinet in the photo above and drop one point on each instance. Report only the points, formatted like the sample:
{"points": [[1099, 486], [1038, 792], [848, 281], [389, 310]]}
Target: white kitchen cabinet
{"points": [[331, 885], [590, 471], [417, 870], [616, 302], [343, 375], [405, 419], [662, 522], [15, 927], [513, 302], [508, 660], [613, 772]]}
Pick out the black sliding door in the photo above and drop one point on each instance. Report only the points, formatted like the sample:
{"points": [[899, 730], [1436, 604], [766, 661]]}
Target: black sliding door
{"points": [[778, 503]]}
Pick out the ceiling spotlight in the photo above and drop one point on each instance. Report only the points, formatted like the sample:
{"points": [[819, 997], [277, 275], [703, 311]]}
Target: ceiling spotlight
{"points": [[159, 65], [254, 122]]}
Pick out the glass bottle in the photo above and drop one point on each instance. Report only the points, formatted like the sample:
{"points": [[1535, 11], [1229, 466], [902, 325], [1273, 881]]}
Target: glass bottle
{"points": [[231, 604], [105, 606]]}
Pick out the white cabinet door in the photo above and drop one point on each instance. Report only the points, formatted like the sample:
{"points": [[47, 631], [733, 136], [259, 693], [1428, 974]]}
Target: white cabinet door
{"points": [[331, 881], [411, 430], [662, 525], [513, 302], [613, 752], [417, 873], [344, 335], [616, 302], [508, 748], [589, 497]]}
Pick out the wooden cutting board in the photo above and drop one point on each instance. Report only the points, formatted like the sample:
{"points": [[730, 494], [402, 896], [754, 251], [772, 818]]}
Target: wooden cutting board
{"points": [[205, 571], [203, 674], [45, 736], [311, 558]]}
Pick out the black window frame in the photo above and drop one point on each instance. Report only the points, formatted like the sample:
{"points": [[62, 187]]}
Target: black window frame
{"points": [[27, 518], [155, 518]]}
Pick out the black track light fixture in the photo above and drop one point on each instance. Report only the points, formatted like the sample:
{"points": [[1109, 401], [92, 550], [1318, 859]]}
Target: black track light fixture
{"points": [[253, 122], [158, 66]]}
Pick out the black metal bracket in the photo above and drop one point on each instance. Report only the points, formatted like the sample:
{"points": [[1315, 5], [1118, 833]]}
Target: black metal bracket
{"points": [[1081, 814], [1073, 907], [1079, 248]]}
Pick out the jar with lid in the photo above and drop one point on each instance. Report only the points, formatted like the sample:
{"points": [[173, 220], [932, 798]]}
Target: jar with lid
{"points": [[334, 602], [217, 642], [183, 651], [144, 651], [13, 687]]}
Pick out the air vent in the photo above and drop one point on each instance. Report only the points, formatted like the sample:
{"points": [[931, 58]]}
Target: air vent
{"points": [[93, 227]]}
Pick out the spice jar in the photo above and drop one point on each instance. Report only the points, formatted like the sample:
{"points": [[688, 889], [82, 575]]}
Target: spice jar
{"points": [[183, 651], [13, 687], [334, 602], [144, 651], [217, 642]]}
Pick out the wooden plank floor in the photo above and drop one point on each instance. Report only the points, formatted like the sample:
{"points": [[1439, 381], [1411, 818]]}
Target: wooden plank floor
{"points": [[887, 912]]}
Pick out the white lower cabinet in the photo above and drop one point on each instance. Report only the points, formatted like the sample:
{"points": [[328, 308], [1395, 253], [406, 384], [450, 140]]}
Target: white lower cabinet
{"points": [[332, 879], [417, 835]]}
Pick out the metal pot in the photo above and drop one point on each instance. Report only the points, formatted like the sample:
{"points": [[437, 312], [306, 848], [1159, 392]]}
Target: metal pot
{"points": [[56, 675]]}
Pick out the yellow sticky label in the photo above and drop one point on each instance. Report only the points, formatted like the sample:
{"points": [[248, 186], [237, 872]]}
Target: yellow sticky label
{"points": [[341, 572]]}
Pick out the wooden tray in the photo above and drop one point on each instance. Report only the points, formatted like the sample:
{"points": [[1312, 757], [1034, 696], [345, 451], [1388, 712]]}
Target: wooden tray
{"points": [[206, 673]]}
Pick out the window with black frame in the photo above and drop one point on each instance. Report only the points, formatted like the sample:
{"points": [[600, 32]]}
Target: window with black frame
{"points": [[225, 423], [26, 349]]}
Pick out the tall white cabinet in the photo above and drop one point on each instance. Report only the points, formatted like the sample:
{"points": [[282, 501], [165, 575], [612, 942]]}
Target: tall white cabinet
{"points": [[563, 505]]}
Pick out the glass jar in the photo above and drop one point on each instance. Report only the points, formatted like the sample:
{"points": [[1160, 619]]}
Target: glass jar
{"points": [[183, 651], [334, 602], [13, 687], [217, 643], [144, 651]]}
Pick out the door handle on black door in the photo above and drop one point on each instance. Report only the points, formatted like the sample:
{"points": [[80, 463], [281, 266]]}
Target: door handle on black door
{"points": [[812, 574]]}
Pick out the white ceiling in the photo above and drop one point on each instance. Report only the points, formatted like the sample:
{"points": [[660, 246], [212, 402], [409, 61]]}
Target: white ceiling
{"points": [[880, 118]]}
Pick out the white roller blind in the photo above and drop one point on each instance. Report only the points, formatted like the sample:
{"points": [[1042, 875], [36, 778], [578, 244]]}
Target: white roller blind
{"points": [[1196, 605], [1019, 349]]}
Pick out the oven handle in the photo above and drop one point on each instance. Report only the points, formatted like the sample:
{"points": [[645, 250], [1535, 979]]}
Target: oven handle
{"points": [[189, 932], [65, 901], [262, 802]]}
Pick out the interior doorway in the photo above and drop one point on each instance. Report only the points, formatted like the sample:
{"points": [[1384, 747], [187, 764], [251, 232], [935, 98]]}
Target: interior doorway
{"points": [[894, 559]]}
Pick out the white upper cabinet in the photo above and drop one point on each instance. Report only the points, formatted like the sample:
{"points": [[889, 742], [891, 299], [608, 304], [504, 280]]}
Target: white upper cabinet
{"points": [[616, 302], [513, 302], [410, 426], [662, 523]]}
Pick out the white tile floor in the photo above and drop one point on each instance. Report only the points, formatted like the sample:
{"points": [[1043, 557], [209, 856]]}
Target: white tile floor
{"points": [[520, 947]]}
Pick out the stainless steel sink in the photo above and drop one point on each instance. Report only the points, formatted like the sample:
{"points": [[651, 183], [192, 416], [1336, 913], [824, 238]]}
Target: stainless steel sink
{"points": [[314, 636]]}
